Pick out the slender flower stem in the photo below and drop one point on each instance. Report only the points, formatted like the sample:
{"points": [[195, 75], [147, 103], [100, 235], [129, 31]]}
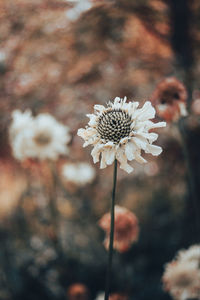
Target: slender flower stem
{"points": [[112, 225]]}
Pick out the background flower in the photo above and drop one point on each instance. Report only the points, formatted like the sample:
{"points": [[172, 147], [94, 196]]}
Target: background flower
{"points": [[169, 98], [182, 276], [41, 137], [78, 173], [126, 228]]}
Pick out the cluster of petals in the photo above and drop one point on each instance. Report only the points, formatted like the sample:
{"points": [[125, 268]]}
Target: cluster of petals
{"points": [[182, 276], [78, 173], [126, 229], [129, 147], [40, 137], [169, 98]]}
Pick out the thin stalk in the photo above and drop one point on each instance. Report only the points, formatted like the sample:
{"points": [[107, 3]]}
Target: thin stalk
{"points": [[53, 207], [112, 225]]}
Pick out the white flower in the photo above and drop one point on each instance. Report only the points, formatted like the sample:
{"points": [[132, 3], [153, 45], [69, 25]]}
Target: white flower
{"points": [[41, 137], [121, 131], [182, 276], [79, 173], [182, 280]]}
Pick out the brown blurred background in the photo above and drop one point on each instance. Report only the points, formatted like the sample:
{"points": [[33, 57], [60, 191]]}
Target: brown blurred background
{"points": [[62, 57]]}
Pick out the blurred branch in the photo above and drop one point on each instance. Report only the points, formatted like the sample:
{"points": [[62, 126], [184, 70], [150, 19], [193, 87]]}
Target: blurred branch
{"points": [[182, 41]]}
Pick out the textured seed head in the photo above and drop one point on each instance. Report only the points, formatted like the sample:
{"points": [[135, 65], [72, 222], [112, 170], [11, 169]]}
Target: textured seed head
{"points": [[114, 125], [42, 139]]}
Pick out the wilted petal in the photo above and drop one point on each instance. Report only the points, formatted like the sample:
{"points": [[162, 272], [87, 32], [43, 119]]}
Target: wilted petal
{"points": [[130, 150], [110, 156], [146, 112], [96, 153], [140, 142], [152, 137], [153, 149], [93, 119], [126, 167], [140, 159], [99, 108], [103, 160]]}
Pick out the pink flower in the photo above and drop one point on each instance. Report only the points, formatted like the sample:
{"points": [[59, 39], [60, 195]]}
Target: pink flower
{"points": [[126, 229], [169, 98], [78, 291]]}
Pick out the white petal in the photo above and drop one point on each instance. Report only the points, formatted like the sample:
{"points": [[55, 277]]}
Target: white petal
{"points": [[93, 119], [140, 159], [140, 142], [133, 106], [99, 108], [152, 137], [89, 142], [110, 156], [130, 150], [153, 149], [103, 160], [121, 157], [96, 153], [146, 112], [81, 132], [126, 168], [152, 125]]}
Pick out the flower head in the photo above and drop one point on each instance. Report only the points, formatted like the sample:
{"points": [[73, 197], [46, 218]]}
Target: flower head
{"points": [[182, 276], [79, 173], [78, 291], [126, 228], [121, 131], [41, 137], [169, 98]]}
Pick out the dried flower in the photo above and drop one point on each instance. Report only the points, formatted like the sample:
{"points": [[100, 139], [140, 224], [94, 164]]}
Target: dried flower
{"points": [[182, 276], [169, 98], [77, 291], [79, 173], [126, 228], [41, 137], [121, 131]]}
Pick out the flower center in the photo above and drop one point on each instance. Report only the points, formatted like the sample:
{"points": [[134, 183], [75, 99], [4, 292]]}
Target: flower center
{"points": [[114, 125], [183, 280], [42, 139]]}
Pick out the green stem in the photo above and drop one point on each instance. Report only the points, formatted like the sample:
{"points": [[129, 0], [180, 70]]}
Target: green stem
{"points": [[112, 224]]}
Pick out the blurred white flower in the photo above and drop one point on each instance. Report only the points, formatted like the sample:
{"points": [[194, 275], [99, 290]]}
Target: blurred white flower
{"points": [[182, 276], [79, 173], [41, 137], [121, 131]]}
